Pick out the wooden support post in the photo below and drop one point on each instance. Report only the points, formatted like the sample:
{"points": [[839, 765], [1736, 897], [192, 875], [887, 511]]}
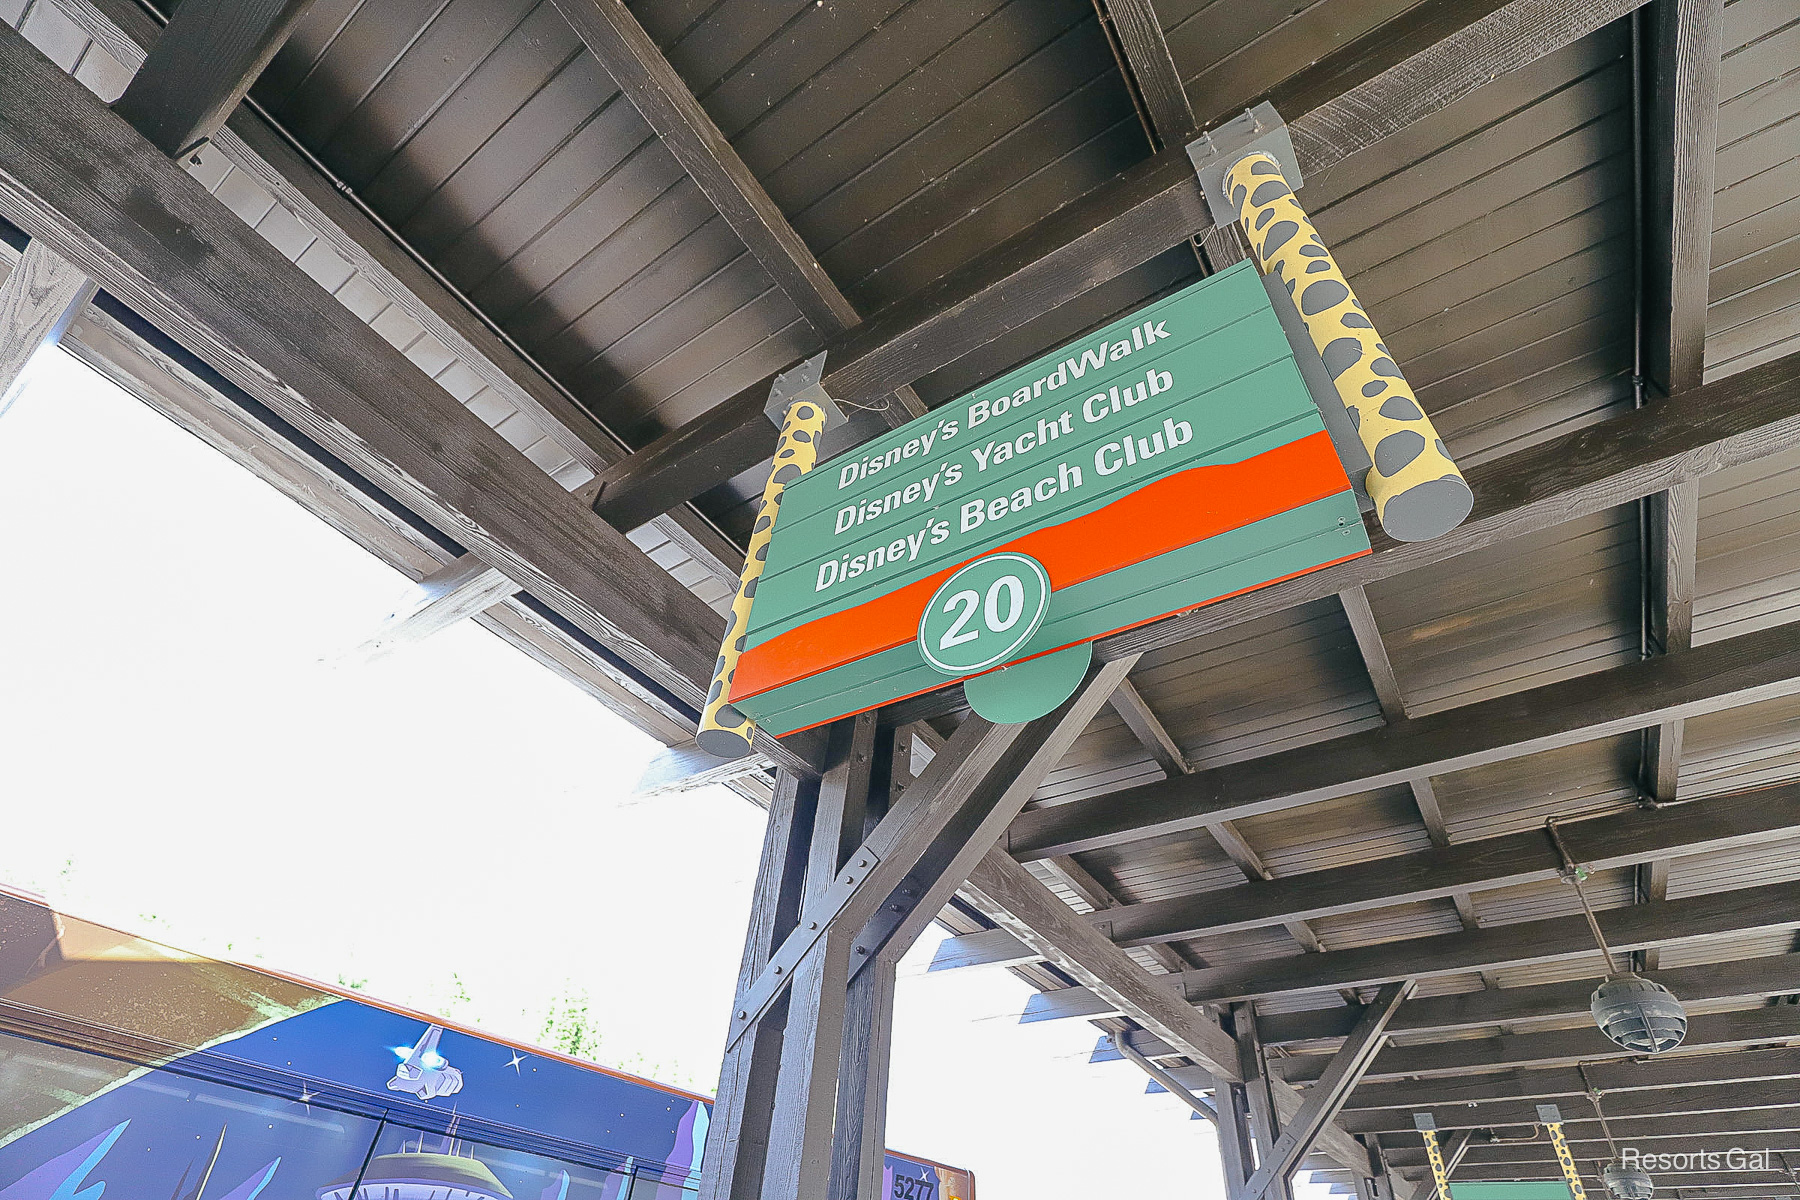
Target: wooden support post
{"points": [[737, 1140], [40, 299], [1328, 1095], [1237, 1148], [859, 1140], [1265, 1117], [859, 1143], [806, 1091]]}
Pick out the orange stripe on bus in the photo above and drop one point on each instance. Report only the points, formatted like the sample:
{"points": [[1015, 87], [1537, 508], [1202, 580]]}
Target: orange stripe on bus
{"points": [[1173, 512]]}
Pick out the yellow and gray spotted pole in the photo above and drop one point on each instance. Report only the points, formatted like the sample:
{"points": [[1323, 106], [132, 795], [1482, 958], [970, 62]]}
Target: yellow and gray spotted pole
{"points": [[1435, 1156], [1417, 490], [1560, 1145], [1440, 1175], [725, 731]]}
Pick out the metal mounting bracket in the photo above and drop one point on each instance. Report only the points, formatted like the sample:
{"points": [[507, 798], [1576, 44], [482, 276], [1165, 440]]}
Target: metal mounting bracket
{"points": [[1549, 1114], [802, 383], [815, 922], [1214, 152]]}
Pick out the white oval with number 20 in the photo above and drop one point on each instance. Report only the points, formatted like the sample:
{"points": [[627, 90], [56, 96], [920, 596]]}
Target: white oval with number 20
{"points": [[984, 613]]}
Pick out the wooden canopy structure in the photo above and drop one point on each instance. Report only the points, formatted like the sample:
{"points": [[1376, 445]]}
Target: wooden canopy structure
{"points": [[498, 287]]}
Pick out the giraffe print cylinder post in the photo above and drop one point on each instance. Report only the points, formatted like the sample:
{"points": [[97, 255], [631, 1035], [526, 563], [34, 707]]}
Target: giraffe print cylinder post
{"points": [[1417, 490], [1435, 1156], [725, 731], [1560, 1145]]}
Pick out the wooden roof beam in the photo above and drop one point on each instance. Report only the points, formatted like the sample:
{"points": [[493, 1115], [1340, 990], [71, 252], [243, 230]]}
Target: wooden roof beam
{"points": [[1741, 1096], [1601, 843], [202, 66], [1682, 48], [1742, 979], [1770, 907], [1562, 1047], [1006, 893], [653, 86], [1147, 209], [1676, 1125], [1483, 1152], [1712, 678], [1662, 1071], [77, 176]]}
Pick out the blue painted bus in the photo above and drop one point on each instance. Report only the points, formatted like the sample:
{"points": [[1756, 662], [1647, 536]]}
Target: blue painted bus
{"points": [[132, 1067]]}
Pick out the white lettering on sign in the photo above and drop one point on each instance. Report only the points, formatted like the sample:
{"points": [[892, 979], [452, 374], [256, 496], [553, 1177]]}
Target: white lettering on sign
{"points": [[1092, 359]]}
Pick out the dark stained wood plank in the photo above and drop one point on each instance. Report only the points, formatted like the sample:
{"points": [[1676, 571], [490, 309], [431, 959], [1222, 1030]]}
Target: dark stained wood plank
{"points": [[1563, 1047], [1155, 205], [1681, 89], [1743, 979], [1621, 1106], [1740, 980], [1502, 41], [1599, 843], [1362, 1048], [615, 37], [1683, 1070], [1769, 907], [209, 54], [1711, 678], [1146, 51], [1374, 652]]}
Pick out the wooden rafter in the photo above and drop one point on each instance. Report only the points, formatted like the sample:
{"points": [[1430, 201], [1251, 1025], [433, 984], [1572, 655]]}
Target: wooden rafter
{"points": [[617, 39], [1712, 678], [203, 65], [1770, 907]]}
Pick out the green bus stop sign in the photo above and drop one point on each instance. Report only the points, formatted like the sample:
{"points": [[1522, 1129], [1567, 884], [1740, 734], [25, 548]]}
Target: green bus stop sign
{"points": [[984, 613]]}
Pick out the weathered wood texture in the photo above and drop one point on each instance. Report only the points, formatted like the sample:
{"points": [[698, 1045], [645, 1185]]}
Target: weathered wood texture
{"points": [[1711, 678], [440, 600], [207, 58], [1681, 95], [1146, 51], [1327, 1096], [682, 768], [738, 1137], [1769, 907], [619, 41], [1149, 208], [1744, 979], [41, 296], [806, 1087]]}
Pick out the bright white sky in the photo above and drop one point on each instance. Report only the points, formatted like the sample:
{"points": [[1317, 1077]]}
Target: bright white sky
{"points": [[184, 756]]}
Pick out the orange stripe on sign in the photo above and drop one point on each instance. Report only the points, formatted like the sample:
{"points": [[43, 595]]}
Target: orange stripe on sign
{"points": [[1176, 511]]}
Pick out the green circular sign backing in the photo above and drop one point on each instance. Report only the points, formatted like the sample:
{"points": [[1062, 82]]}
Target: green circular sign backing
{"points": [[984, 613]]}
